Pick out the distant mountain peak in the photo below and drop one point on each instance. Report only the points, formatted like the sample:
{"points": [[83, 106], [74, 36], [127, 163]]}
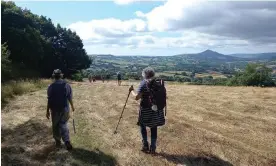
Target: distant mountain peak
{"points": [[209, 51]]}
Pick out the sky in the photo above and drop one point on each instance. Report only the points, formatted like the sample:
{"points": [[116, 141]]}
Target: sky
{"points": [[168, 27]]}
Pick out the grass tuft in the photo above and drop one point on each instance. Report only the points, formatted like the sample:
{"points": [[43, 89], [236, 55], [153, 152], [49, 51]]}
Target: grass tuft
{"points": [[14, 88]]}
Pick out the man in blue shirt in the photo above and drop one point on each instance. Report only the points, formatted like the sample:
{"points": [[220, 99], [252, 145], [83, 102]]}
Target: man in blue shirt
{"points": [[59, 93]]}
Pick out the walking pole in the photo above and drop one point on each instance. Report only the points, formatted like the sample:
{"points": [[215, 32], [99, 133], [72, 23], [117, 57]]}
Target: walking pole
{"points": [[115, 132], [74, 122]]}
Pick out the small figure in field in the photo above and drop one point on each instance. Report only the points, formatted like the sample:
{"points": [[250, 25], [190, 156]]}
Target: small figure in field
{"points": [[102, 77], [119, 78], [107, 77], [59, 93], [90, 78]]}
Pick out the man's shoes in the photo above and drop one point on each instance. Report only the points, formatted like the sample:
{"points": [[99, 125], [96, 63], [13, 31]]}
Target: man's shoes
{"points": [[68, 145], [145, 148], [58, 144], [152, 150]]}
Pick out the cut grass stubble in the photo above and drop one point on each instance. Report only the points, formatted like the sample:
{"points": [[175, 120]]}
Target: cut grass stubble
{"points": [[205, 125]]}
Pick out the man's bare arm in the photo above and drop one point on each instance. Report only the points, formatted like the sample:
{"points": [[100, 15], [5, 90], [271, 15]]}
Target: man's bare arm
{"points": [[48, 111], [48, 106], [72, 105]]}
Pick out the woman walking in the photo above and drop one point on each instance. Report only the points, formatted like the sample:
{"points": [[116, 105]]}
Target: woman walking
{"points": [[147, 116]]}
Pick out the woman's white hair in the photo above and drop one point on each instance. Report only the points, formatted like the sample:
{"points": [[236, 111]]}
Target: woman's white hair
{"points": [[148, 73]]}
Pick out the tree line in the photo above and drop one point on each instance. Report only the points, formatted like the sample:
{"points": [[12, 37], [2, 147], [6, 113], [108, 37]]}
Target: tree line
{"points": [[32, 46], [253, 75]]}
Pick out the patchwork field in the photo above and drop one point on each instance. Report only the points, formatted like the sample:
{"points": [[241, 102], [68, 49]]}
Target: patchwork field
{"points": [[205, 126]]}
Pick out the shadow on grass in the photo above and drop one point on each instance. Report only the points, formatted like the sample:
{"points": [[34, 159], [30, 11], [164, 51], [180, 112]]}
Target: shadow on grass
{"points": [[31, 143], [194, 160], [20, 145], [92, 157]]}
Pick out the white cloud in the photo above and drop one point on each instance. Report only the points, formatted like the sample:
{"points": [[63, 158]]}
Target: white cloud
{"points": [[126, 2], [201, 24], [173, 10], [246, 20], [140, 14], [110, 27], [187, 40]]}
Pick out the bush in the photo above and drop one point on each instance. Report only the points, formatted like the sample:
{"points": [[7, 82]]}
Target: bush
{"points": [[167, 78], [254, 75], [184, 73], [77, 77], [219, 81], [183, 79]]}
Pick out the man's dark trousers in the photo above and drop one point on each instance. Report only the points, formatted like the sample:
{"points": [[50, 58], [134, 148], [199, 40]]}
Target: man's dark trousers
{"points": [[59, 125]]}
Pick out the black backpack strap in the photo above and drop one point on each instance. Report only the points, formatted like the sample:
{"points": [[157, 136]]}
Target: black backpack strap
{"points": [[163, 84], [148, 84]]}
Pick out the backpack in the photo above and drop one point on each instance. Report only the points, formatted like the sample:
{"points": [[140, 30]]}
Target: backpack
{"points": [[58, 99], [158, 93]]}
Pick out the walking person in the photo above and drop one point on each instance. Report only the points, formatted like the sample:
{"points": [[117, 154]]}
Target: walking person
{"points": [[152, 93], [119, 77], [90, 78], [102, 77], [59, 93]]}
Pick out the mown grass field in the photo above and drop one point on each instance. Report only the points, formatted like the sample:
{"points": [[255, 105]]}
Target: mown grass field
{"points": [[205, 126], [215, 76]]}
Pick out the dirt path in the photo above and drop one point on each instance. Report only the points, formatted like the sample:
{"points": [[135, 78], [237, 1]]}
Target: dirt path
{"points": [[205, 126]]}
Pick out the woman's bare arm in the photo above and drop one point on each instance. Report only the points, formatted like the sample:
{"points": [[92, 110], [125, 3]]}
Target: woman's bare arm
{"points": [[137, 96]]}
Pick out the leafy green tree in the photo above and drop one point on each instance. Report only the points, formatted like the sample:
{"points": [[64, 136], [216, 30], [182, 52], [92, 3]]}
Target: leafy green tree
{"points": [[254, 75], [5, 62], [184, 73], [35, 43]]}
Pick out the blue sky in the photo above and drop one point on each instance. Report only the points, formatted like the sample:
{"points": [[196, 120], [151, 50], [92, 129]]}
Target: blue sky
{"points": [[128, 27], [69, 12]]}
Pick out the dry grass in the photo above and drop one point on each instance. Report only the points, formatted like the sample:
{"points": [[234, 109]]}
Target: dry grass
{"points": [[215, 75], [14, 88], [205, 126]]}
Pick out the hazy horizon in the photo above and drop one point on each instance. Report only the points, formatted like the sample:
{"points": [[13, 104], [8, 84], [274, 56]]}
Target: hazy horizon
{"points": [[135, 27], [184, 53]]}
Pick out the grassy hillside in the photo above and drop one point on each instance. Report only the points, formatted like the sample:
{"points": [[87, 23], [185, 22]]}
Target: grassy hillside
{"points": [[205, 126]]}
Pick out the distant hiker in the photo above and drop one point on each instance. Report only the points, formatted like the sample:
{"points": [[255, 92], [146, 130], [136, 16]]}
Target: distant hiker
{"points": [[90, 78], [152, 93], [107, 77], [59, 93], [119, 77], [102, 77]]}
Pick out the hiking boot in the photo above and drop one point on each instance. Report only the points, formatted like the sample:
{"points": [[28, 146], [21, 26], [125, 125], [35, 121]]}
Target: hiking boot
{"points": [[68, 145], [145, 148], [152, 150], [58, 144]]}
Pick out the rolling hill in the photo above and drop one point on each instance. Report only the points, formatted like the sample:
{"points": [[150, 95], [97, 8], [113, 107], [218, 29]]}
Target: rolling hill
{"points": [[203, 62], [205, 55], [210, 55], [260, 56]]}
